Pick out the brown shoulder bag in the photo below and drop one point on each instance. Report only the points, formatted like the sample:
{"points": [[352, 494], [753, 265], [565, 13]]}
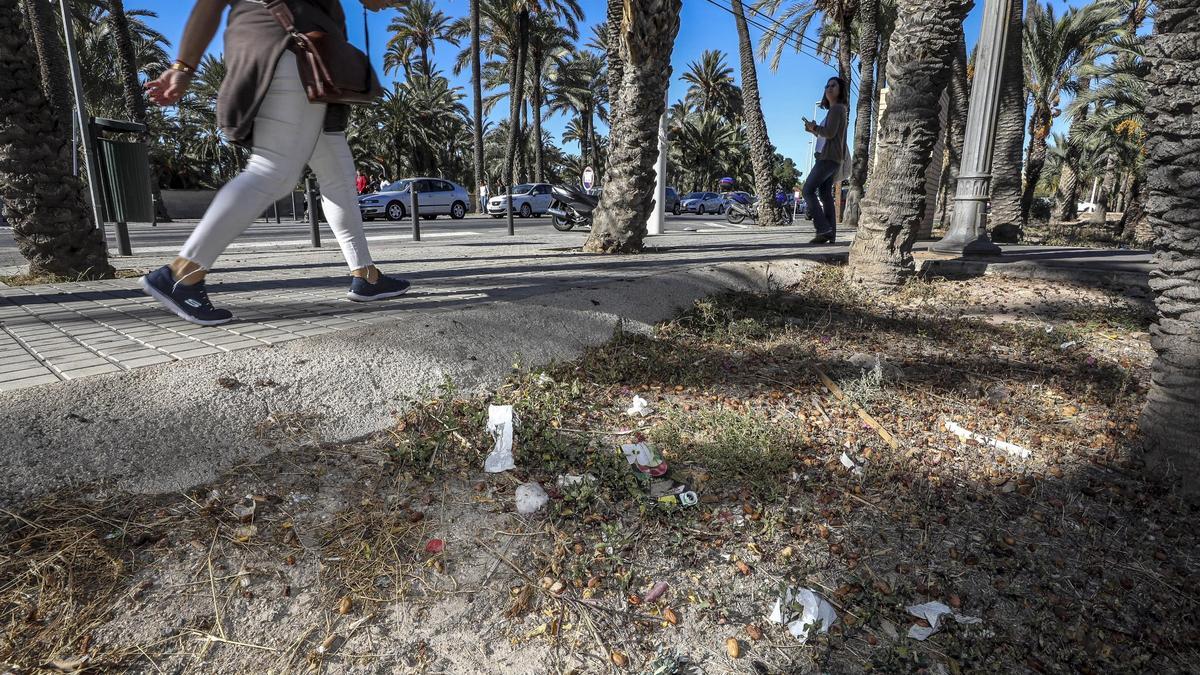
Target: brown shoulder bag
{"points": [[332, 69]]}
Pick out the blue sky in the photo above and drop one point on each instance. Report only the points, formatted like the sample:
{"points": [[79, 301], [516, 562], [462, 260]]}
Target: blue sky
{"points": [[786, 94]]}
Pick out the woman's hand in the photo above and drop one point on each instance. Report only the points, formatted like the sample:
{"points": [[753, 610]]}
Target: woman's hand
{"points": [[809, 126], [169, 87]]}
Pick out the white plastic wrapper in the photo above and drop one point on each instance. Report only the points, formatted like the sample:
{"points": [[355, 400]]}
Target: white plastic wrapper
{"points": [[640, 407], [933, 612], [530, 498], [1014, 450], [500, 424], [812, 608]]}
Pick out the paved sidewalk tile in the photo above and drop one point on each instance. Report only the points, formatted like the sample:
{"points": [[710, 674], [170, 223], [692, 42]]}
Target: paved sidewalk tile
{"points": [[10, 385]]}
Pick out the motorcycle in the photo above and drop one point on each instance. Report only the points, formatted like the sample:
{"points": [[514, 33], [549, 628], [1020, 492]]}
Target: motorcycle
{"points": [[571, 207], [741, 207]]}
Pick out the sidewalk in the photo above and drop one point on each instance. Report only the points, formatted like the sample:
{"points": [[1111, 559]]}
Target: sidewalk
{"points": [[98, 382]]}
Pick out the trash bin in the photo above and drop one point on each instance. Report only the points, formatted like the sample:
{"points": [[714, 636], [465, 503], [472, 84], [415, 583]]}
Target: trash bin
{"points": [[124, 177]]}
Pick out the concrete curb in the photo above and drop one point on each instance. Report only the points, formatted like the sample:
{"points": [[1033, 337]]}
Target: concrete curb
{"points": [[1120, 280], [169, 427]]}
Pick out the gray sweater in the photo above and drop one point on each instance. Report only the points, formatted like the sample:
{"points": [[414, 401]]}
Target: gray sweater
{"points": [[254, 41], [833, 130]]}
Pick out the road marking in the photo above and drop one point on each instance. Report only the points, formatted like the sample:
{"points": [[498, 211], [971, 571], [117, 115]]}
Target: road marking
{"points": [[300, 242]]}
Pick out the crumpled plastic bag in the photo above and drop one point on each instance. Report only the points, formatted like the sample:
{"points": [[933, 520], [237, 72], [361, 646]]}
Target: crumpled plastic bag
{"points": [[500, 424], [640, 407], [933, 612], [530, 498], [814, 611]]}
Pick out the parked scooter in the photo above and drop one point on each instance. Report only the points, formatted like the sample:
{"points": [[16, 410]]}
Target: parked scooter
{"points": [[741, 207], [572, 206]]}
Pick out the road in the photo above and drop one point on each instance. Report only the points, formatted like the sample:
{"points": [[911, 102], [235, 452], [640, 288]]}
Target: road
{"points": [[168, 237]]}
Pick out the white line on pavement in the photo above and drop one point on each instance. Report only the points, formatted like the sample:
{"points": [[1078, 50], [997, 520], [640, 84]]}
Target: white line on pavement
{"points": [[300, 242]]}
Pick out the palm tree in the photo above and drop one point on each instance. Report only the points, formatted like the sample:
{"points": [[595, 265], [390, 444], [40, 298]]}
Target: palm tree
{"points": [[476, 98], [1005, 187], [579, 86], [712, 86], [868, 40], [703, 145], [645, 38], [44, 31], [894, 205], [549, 44], [417, 29], [761, 150], [1055, 49], [1169, 422], [44, 203], [796, 20]]}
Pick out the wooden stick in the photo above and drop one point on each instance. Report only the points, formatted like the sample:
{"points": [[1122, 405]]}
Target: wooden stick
{"points": [[841, 396]]}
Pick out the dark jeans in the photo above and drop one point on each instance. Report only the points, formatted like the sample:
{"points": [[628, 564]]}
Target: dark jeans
{"points": [[819, 184]]}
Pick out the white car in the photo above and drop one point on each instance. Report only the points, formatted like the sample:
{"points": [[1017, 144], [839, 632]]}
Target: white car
{"points": [[435, 197], [529, 199], [702, 203]]}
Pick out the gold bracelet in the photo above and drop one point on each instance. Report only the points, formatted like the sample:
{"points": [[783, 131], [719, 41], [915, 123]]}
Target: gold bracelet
{"points": [[183, 67]]}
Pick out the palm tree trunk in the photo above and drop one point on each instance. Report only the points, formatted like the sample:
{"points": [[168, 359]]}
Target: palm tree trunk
{"points": [[516, 97], [881, 83], [845, 53], [1169, 422], [55, 78], [1004, 220], [959, 95], [1035, 158], [1100, 215], [762, 156], [646, 33], [539, 155], [614, 15], [43, 202], [867, 41], [894, 205], [1066, 196], [477, 90]]}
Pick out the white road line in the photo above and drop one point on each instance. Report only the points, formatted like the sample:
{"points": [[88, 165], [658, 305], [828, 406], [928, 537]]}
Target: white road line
{"points": [[299, 242]]}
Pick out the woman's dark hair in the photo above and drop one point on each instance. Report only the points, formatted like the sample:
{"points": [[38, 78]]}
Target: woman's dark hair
{"points": [[843, 93]]}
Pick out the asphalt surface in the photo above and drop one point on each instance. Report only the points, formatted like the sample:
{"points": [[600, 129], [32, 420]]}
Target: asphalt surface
{"points": [[169, 237]]}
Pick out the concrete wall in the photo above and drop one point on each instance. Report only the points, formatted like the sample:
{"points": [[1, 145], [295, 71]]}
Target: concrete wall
{"points": [[191, 204]]}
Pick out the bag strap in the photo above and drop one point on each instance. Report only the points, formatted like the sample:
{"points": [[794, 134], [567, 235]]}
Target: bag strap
{"points": [[283, 14]]}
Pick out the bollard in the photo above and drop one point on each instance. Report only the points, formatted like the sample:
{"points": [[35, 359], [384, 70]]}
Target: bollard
{"points": [[123, 245], [414, 201], [312, 213], [294, 209], [275, 205]]}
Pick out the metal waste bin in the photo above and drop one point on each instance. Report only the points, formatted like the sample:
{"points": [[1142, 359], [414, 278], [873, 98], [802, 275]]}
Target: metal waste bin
{"points": [[124, 177]]}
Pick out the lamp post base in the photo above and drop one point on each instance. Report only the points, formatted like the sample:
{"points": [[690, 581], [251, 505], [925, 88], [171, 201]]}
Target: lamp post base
{"points": [[971, 245]]}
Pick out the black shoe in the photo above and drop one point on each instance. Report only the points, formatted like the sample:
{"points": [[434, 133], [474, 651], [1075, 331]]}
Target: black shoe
{"points": [[384, 287], [189, 303], [822, 238]]}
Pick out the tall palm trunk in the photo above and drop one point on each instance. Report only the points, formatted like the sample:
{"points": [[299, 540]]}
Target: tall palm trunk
{"points": [[516, 99], [477, 91], [56, 80], [1169, 421], [1004, 220], [867, 42], [762, 157], [881, 83], [1066, 196], [646, 36], [845, 30], [539, 155], [894, 204], [1100, 214], [1035, 156], [958, 97], [43, 202]]}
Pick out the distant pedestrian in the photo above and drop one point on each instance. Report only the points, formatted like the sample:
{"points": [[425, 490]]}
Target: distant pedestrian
{"points": [[360, 183], [831, 160], [383, 183], [483, 197], [262, 104]]}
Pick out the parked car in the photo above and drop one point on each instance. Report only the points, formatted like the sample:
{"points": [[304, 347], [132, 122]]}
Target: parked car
{"points": [[1085, 207], [529, 200], [672, 202], [435, 197], [703, 202]]}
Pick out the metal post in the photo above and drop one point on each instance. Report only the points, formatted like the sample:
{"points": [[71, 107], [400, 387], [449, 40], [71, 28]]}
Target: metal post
{"points": [[275, 206], [295, 209], [414, 202], [655, 224], [123, 245], [81, 116], [312, 212], [968, 229]]}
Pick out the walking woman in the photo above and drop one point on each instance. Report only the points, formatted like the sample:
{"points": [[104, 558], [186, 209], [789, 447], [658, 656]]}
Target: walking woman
{"points": [[832, 160], [262, 105]]}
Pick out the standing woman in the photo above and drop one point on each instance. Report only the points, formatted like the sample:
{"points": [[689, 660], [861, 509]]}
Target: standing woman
{"points": [[832, 160], [262, 105]]}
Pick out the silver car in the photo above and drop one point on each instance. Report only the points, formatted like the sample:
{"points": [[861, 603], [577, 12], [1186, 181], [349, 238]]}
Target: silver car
{"points": [[703, 202], [435, 197], [529, 199]]}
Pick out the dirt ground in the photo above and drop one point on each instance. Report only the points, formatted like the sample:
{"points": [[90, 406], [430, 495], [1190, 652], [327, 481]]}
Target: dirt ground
{"points": [[397, 553]]}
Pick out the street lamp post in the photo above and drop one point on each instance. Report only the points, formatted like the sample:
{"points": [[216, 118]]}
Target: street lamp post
{"points": [[81, 116], [655, 224], [968, 229]]}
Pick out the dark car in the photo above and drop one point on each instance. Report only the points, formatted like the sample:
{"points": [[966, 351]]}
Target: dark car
{"points": [[672, 202]]}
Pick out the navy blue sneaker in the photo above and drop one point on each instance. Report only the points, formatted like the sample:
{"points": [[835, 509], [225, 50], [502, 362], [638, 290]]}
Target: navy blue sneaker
{"points": [[384, 287], [189, 303]]}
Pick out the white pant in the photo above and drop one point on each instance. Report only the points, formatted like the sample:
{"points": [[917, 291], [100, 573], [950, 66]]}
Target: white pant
{"points": [[288, 133]]}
